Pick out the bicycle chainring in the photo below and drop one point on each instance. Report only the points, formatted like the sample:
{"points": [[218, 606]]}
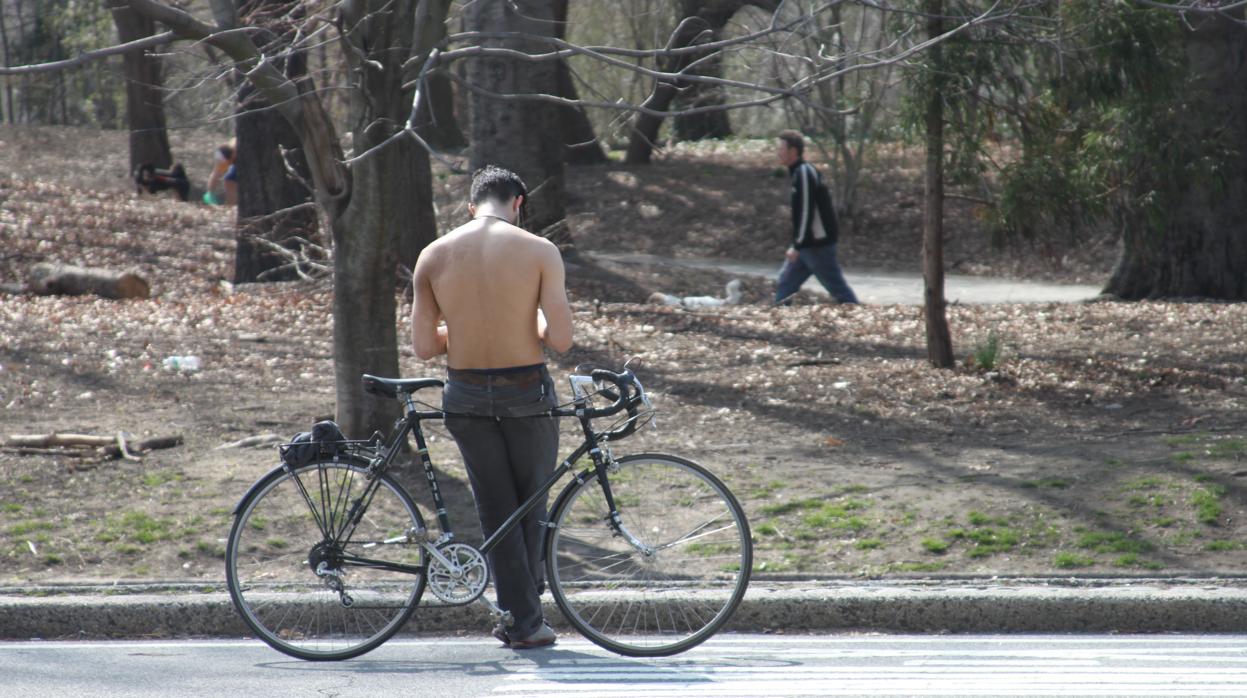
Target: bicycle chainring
{"points": [[463, 584]]}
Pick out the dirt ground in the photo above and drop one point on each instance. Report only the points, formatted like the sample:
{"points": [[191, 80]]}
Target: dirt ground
{"points": [[1106, 438]]}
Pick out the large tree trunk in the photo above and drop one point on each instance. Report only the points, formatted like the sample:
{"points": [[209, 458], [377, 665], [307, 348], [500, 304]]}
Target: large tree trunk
{"points": [[939, 340], [522, 137], [267, 191], [386, 200], [436, 122], [145, 111], [1202, 249], [712, 124]]}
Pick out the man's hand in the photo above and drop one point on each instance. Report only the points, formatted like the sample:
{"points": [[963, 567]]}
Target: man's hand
{"points": [[791, 255]]}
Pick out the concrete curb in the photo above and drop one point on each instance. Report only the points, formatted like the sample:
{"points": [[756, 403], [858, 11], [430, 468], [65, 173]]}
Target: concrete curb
{"points": [[963, 607]]}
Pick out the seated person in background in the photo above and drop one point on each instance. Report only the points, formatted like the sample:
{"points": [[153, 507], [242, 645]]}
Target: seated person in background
{"points": [[153, 179], [224, 173]]}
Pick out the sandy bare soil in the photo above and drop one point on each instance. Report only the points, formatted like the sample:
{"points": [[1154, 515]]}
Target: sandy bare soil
{"points": [[1108, 438]]}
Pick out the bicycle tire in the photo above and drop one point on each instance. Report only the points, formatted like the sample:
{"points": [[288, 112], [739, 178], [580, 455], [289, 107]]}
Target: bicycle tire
{"points": [[277, 537], [662, 603]]}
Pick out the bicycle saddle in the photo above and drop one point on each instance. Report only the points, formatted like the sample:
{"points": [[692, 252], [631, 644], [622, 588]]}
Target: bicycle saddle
{"points": [[391, 387]]}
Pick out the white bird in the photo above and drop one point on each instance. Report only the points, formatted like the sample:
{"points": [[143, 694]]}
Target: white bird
{"points": [[733, 290]]}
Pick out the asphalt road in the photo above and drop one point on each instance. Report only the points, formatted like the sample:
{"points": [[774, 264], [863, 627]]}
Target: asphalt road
{"points": [[728, 665], [889, 288]]}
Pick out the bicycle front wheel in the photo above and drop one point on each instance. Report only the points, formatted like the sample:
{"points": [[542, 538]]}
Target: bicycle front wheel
{"points": [[669, 577], [309, 584]]}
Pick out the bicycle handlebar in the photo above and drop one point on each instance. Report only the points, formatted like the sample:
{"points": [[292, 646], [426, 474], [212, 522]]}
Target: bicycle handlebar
{"points": [[630, 395]]}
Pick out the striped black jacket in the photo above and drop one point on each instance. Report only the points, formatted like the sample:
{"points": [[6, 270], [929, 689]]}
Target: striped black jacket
{"points": [[813, 215]]}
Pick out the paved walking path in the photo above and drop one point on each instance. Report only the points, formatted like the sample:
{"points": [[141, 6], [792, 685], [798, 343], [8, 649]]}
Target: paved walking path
{"points": [[888, 288]]}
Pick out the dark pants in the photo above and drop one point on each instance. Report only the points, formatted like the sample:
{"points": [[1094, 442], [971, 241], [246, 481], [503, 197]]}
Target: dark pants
{"points": [[509, 446], [822, 264]]}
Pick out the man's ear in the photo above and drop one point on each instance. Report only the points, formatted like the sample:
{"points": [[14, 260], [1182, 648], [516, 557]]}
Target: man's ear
{"points": [[519, 202], [472, 210]]}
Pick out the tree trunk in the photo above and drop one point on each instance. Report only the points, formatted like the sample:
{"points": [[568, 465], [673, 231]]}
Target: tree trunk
{"points": [[522, 137], [697, 18], [265, 186], [714, 124], [145, 111], [1201, 250], [385, 201], [939, 340], [436, 122], [8, 86]]}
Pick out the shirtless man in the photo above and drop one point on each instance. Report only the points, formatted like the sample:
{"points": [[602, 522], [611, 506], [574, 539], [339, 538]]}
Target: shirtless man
{"points": [[499, 290]]}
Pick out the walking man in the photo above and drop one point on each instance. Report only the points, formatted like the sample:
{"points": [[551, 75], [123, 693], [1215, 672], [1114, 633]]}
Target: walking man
{"points": [[814, 228], [499, 291]]}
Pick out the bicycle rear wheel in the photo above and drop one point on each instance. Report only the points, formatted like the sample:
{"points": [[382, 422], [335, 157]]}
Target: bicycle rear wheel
{"points": [[289, 525], [672, 588]]}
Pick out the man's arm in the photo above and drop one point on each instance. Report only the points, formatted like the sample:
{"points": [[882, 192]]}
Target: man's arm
{"points": [[554, 316], [427, 338]]}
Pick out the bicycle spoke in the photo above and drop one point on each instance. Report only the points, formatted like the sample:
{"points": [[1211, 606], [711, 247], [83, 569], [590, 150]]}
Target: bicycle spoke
{"points": [[291, 581], [675, 590]]}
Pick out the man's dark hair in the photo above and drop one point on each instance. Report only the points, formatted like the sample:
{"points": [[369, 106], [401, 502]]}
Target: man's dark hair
{"points": [[495, 183], [794, 140]]}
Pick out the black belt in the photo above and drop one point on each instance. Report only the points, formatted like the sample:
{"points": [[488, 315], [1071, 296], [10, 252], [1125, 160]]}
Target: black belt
{"points": [[520, 379]]}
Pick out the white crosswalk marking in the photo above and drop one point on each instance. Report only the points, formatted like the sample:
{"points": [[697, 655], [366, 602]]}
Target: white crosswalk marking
{"points": [[881, 666]]}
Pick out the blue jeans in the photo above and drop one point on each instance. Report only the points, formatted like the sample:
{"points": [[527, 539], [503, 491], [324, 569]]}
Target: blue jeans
{"points": [[819, 262]]}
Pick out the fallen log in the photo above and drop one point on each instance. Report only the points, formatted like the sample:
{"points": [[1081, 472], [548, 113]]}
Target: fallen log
{"points": [[121, 448], [54, 439], [117, 446], [48, 279]]}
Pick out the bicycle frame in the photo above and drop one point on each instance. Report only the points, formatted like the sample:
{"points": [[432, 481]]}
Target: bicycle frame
{"points": [[409, 424]]}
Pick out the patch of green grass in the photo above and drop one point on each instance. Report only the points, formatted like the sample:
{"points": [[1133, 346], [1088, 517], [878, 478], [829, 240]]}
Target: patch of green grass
{"points": [[11, 507], [978, 518], [935, 546], [1182, 440], [917, 566], [221, 511], [1216, 546], [1068, 560], [137, 527], [1112, 542], [1165, 522], [868, 544], [26, 528], [1226, 448], [1146, 500], [987, 353], [1184, 456], [210, 548], [1049, 483], [277, 543], [702, 549], [161, 477], [837, 516], [989, 541], [1133, 560], [790, 506], [1145, 483], [128, 548], [1207, 503], [767, 529]]}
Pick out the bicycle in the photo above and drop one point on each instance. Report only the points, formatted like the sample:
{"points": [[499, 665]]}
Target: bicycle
{"points": [[645, 555]]}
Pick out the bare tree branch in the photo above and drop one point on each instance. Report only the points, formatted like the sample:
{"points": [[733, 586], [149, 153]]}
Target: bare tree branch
{"points": [[88, 56]]}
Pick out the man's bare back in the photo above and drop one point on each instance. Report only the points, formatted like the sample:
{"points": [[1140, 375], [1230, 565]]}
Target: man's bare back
{"points": [[489, 281]]}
